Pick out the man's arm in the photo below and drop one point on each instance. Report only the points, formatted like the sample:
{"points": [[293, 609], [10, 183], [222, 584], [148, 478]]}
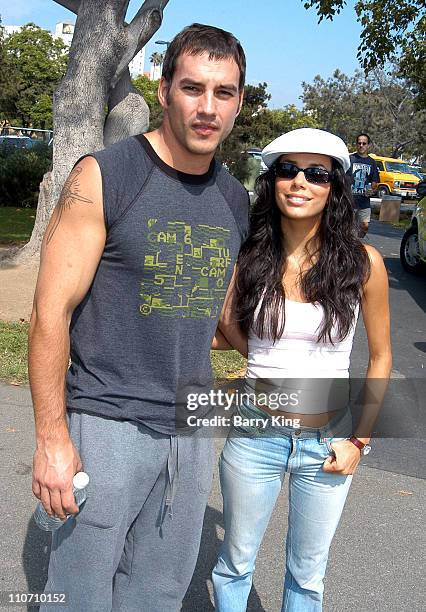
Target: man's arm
{"points": [[70, 253], [228, 326]]}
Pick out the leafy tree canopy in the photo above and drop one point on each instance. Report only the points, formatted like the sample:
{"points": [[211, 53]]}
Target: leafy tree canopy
{"points": [[9, 81], [36, 62], [391, 32], [380, 104]]}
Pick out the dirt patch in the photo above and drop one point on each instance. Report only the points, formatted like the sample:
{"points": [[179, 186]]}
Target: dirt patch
{"points": [[17, 284]]}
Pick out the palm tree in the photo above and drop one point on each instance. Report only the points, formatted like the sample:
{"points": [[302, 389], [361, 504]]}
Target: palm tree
{"points": [[157, 58]]}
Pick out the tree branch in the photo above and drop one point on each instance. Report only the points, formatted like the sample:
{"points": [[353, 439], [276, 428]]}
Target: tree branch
{"points": [[400, 147], [403, 101], [148, 5], [71, 5], [120, 91], [142, 27], [128, 112], [123, 9]]}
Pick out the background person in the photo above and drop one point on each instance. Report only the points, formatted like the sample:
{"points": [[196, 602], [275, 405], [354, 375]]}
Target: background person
{"points": [[301, 277], [134, 268], [365, 179]]}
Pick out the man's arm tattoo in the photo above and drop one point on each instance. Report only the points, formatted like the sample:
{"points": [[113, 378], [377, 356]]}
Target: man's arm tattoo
{"points": [[69, 195]]}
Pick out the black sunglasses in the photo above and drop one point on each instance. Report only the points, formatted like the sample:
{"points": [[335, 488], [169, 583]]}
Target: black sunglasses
{"points": [[314, 174]]}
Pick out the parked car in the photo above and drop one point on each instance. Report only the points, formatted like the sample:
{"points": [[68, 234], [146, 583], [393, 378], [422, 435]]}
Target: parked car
{"points": [[413, 244], [17, 142], [395, 177], [257, 155]]}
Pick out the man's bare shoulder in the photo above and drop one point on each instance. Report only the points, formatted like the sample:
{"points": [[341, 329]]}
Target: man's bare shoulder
{"points": [[80, 202]]}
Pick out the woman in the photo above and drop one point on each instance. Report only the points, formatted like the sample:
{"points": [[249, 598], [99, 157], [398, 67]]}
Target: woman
{"points": [[301, 277]]}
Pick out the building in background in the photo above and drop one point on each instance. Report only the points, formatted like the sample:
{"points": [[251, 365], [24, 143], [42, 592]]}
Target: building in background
{"points": [[11, 29], [155, 72], [65, 31], [137, 64]]}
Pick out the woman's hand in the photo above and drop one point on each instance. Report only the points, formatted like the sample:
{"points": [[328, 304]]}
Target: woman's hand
{"points": [[345, 459]]}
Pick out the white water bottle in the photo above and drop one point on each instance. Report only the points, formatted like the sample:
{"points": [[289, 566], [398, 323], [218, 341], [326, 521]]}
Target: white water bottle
{"points": [[51, 523]]}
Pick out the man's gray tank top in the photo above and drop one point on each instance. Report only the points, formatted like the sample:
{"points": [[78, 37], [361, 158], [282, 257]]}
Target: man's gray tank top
{"points": [[144, 329]]}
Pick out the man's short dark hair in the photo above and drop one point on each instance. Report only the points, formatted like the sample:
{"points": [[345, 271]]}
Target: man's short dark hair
{"points": [[364, 134], [197, 39]]}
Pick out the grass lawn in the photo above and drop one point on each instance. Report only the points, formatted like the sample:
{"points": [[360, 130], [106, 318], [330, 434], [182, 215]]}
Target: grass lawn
{"points": [[403, 223], [16, 224], [227, 364], [13, 356], [13, 352]]}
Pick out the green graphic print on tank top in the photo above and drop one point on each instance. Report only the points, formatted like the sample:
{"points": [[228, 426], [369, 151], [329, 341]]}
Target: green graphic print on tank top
{"points": [[184, 269]]}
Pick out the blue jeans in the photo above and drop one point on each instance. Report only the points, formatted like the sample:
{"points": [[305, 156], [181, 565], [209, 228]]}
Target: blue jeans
{"points": [[252, 469]]}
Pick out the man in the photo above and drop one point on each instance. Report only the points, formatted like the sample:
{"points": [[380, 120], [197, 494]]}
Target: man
{"points": [[365, 177], [134, 269]]}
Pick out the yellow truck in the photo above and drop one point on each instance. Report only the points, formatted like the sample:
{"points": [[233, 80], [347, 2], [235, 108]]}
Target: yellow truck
{"points": [[395, 177]]}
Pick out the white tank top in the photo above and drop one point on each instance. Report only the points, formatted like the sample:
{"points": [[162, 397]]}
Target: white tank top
{"points": [[298, 355]]}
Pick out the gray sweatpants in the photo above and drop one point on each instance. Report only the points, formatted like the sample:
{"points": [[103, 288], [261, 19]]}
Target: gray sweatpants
{"points": [[134, 544]]}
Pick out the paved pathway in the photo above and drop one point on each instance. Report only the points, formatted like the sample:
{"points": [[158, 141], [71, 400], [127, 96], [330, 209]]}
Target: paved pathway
{"points": [[377, 558]]}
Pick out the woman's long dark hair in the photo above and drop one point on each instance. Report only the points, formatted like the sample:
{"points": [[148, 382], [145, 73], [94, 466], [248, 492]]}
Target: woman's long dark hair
{"points": [[340, 263]]}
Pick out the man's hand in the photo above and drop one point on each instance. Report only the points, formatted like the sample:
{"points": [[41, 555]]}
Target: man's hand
{"points": [[345, 459], [54, 465]]}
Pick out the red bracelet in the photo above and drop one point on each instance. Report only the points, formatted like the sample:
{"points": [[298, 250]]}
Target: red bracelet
{"points": [[357, 442]]}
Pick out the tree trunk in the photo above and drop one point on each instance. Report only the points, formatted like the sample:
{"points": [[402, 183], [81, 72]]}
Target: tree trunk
{"points": [[97, 78]]}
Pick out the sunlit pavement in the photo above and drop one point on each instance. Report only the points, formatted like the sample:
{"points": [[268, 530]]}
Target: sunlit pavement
{"points": [[377, 558]]}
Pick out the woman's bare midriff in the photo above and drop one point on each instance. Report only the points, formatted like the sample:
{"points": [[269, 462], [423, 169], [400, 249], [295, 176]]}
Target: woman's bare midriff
{"points": [[302, 420]]}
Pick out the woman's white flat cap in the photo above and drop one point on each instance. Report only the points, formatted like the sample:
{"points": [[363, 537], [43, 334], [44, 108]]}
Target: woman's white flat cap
{"points": [[307, 140]]}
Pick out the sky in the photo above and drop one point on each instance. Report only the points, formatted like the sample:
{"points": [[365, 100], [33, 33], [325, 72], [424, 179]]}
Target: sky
{"points": [[283, 42]]}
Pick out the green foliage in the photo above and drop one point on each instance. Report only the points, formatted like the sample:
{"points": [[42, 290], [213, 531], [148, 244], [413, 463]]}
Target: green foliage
{"points": [[9, 81], [35, 63], [283, 120], [16, 224], [148, 89], [391, 32], [21, 172], [42, 112], [380, 104], [412, 64], [326, 9]]}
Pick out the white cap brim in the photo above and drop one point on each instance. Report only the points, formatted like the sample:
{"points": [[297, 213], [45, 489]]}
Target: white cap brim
{"points": [[307, 140]]}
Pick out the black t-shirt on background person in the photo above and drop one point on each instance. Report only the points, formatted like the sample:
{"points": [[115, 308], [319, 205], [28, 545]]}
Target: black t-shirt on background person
{"points": [[364, 172]]}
